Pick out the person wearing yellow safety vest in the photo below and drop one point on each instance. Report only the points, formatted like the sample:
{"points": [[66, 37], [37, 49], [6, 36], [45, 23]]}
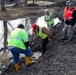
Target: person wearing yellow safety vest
{"points": [[19, 43], [44, 34], [49, 19]]}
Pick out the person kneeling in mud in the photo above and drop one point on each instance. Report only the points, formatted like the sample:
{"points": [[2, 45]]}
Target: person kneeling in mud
{"points": [[44, 33], [19, 44]]}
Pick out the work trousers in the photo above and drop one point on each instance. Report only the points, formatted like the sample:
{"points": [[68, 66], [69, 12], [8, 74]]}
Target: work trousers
{"points": [[16, 52], [68, 32], [44, 44]]}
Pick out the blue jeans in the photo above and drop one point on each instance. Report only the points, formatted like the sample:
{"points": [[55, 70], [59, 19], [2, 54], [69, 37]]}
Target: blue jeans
{"points": [[16, 52]]}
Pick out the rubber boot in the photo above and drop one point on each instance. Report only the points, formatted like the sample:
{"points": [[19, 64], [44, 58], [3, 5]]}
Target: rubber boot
{"points": [[28, 61], [17, 67]]}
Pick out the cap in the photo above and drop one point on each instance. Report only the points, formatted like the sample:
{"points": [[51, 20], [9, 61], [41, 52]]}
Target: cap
{"points": [[21, 26], [34, 26], [46, 10], [71, 4]]}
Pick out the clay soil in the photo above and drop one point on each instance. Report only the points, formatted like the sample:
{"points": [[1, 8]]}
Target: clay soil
{"points": [[59, 59]]}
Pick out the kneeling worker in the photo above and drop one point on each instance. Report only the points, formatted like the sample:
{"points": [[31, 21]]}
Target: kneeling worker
{"points": [[44, 33], [19, 43]]}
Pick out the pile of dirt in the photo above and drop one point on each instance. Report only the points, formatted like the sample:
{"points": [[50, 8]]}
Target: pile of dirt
{"points": [[59, 59]]}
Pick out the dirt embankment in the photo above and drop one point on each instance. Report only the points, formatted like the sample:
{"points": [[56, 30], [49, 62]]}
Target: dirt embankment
{"points": [[59, 59]]}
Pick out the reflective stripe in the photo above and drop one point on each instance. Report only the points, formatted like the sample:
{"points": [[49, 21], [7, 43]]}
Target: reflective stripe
{"points": [[26, 40], [18, 37], [70, 11], [50, 22], [70, 17], [41, 34]]}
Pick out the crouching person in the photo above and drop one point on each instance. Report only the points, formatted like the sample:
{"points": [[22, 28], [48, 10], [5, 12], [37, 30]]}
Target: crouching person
{"points": [[44, 34], [19, 43]]}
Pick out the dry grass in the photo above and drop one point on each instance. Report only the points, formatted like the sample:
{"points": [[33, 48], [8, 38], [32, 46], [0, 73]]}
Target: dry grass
{"points": [[21, 11], [11, 13], [42, 3]]}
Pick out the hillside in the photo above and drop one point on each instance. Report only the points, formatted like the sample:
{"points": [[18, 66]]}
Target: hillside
{"points": [[59, 59]]}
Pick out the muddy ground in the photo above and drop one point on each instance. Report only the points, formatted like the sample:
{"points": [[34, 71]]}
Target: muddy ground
{"points": [[59, 59]]}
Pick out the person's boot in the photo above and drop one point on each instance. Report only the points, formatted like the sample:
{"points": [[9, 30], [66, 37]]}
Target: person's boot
{"points": [[17, 67], [28, 61]]}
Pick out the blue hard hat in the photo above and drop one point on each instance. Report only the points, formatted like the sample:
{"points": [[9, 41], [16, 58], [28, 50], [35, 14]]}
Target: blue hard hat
{"points": [[71, 4]]}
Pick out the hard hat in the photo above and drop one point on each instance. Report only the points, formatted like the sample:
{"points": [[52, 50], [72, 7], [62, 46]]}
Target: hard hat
{"points": [[71, 4], [34, 26], [46, 10], [67, 3]]}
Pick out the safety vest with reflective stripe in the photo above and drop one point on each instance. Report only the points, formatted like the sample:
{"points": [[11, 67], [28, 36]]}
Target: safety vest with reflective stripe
{"points": [[69, 13], [41, 34], [50, 22], [17, 38]]}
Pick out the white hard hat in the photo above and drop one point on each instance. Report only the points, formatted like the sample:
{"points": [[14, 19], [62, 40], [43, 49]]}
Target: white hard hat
{"points": [[67, 3], [46, 10]]}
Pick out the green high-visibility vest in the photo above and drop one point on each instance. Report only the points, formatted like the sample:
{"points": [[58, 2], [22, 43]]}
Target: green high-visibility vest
{"points": [[50, 22], [41, 34], [17, 38]]}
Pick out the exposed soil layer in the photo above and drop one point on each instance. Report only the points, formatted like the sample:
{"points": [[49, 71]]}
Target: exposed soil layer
{"points": [[59, 59]]}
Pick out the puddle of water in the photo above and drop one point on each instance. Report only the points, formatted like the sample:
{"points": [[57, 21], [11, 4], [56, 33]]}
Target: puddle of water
{"points": [[36, 55]]}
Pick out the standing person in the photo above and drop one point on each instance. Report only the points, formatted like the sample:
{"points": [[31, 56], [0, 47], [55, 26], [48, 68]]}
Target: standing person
{"points": [[49, 18], [19, 43], [44, 34], [70, 22], [64, 31], [66, 9]]}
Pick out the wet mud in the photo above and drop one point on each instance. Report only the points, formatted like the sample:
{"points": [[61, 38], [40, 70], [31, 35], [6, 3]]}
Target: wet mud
{"points": [[59, 59]]}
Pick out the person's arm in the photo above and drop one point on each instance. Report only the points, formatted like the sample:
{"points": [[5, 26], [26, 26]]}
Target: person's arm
{"points": [[46, 19], [25, 38], [51, 16], [26, 44], [74, 15], [46, 31]]}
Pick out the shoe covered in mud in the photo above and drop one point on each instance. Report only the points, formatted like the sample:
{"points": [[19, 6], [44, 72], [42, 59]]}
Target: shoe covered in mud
{"points": [[17, 67], [29, 61]]}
